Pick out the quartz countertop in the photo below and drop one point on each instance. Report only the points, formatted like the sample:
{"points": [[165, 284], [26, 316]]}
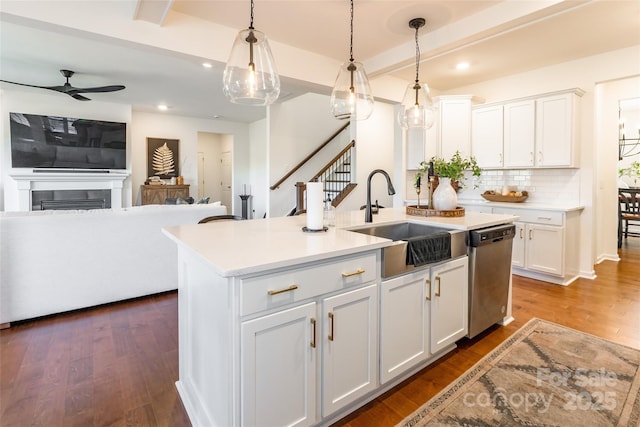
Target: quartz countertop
{"points": [[236, 248], [522, 205]]}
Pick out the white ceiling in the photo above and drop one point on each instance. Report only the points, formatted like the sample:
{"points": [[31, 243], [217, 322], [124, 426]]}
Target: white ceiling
{"points": [[497, 38]]}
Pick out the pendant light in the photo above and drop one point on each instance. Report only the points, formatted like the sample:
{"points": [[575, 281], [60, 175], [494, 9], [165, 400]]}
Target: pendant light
{"points": [[250, 76], [417, 106], [351, 95]]}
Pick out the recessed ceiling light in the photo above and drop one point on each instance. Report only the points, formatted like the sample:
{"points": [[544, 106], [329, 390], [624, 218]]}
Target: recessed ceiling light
{"points": [[217, 116], [162, 107], [462, 66], [207, 65]]}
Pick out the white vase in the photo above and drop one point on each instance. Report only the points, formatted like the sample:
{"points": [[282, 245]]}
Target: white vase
{"points": [[445, 197]]}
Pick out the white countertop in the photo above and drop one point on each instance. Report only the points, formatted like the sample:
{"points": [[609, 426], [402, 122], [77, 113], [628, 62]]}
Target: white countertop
{"points": [[521, 205], [235, 248]]}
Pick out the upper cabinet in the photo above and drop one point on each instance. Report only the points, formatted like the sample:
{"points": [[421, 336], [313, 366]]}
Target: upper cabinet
{"points": [[557, 130], [519, 134], [454, 125], [487, 136], [541, 131]]}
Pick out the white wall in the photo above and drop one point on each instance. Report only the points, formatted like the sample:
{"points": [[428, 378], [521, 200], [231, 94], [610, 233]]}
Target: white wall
{"points": [[296, 128], [186, 129], [374, 150], [44, 103], [259, 169]]}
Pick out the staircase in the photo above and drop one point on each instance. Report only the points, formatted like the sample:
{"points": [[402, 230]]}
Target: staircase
{"points": [[337, 176]]}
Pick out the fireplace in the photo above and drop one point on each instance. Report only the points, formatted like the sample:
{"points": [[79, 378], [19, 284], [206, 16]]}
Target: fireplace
{"points": [[43, 189], [70, 199]]}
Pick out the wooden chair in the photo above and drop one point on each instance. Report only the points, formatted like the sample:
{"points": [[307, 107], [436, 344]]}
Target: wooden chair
{"points": [[628, 213]]}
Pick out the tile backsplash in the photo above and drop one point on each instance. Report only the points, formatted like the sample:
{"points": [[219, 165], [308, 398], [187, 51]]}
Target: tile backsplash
{"points": [[548, 186]]}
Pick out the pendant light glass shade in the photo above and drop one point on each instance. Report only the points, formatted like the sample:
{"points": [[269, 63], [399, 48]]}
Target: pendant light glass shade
{"points": [[250, 76], [351, 95], [417, 110]]}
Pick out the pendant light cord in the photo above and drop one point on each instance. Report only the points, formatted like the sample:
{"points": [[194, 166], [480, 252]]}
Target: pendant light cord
{"points": [[351, 34], [251, 23], [417, 55]]}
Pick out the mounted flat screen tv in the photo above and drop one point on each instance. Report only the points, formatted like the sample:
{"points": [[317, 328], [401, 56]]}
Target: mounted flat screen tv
{"points": [[54, 142]]}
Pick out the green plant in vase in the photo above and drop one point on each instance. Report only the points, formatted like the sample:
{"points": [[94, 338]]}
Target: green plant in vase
{"points": [[633, 172], [449, 171]]}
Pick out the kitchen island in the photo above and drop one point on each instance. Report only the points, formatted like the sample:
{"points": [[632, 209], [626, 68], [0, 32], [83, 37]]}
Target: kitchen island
{"points": [[282, 327]]}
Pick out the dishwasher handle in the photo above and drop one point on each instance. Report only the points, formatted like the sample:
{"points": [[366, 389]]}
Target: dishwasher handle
{"points": [[487, 236]]}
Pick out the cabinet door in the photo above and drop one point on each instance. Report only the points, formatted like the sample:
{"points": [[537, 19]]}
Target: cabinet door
{"points": [[455, 127], [177, 192], [519, 136], [449, 303], [545, 249], [153, 195], [486, 136], [349, 347], [404, 323], [554, 131], [279, 368], [518, 255]]}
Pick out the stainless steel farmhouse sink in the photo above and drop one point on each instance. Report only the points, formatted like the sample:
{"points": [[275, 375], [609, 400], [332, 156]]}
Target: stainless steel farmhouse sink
{"points": [[394, 257]]}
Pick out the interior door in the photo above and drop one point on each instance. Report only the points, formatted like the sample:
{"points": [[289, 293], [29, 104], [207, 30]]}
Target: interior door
{"points": [[201, 182], [226, 181]]}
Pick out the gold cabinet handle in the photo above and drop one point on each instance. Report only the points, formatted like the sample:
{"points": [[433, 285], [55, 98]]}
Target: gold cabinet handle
{"points": [[331, 329], [530, 234], [290, 288], [313, 339], [438, 288], [521, 232], [428, 283], [355, 273]]}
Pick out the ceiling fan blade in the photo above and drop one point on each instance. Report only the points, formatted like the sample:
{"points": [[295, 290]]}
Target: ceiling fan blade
{"points": [[58, 88], [79, 97], [112, 88]]}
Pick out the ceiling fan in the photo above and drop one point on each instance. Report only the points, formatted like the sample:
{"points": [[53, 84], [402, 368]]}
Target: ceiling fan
{"points": [[74, 92]]}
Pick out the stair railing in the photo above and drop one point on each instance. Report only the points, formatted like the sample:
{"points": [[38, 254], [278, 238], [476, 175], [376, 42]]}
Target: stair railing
{"points": [[309, 157]]}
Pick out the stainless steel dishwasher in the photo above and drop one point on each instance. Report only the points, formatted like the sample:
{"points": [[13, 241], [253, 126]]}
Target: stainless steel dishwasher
{"points": [[489, 275]]}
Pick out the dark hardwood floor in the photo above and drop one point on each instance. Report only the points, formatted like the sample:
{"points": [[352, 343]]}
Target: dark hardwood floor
{"points": [[116, 365]]}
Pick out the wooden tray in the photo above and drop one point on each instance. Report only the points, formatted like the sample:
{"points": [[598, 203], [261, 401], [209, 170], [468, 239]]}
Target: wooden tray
{"points": [[414, 210], [508, 199]]}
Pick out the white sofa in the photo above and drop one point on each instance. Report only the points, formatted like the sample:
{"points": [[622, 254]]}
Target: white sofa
{"points": [[55, 261]]}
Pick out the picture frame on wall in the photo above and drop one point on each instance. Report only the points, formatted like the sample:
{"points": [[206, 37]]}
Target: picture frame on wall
{"points": [[163, 158]]}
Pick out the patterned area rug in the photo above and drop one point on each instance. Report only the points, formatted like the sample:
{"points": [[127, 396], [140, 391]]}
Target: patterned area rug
{"points": [[543, 375]]}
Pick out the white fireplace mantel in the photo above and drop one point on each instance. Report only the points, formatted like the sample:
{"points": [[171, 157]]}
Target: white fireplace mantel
{"points": [[36, 180]]}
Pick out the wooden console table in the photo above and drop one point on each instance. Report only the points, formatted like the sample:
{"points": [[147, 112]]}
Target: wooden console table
{"points": [[157, 194]]}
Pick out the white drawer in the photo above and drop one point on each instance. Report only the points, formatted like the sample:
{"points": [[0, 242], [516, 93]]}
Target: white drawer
{"points": [[273, 290], [536, 216]]}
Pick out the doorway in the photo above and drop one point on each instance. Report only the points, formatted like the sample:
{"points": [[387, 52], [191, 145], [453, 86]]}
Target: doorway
{"points": [[215, 168]]}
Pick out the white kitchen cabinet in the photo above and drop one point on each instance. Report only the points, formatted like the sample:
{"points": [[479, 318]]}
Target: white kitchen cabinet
{"points": [[557, 130], [349, 347], [454, 124], [487, 136], [519, 134], [280, 349], [449, 303], [539, 248], [404, 323], [546, 244]]}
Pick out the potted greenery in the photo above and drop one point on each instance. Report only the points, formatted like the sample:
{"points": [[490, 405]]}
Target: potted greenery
{"points": [[448, 172], [633, 172]]}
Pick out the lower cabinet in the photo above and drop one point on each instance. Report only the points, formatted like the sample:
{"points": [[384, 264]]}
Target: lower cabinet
{"points": [[404, 323], [281, 355], [422, 313], [278, 370], [539, 248], [449, 303]]}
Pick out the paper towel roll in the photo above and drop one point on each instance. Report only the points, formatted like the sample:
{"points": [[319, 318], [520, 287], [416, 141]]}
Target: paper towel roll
{"points": [[314, 206]]}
